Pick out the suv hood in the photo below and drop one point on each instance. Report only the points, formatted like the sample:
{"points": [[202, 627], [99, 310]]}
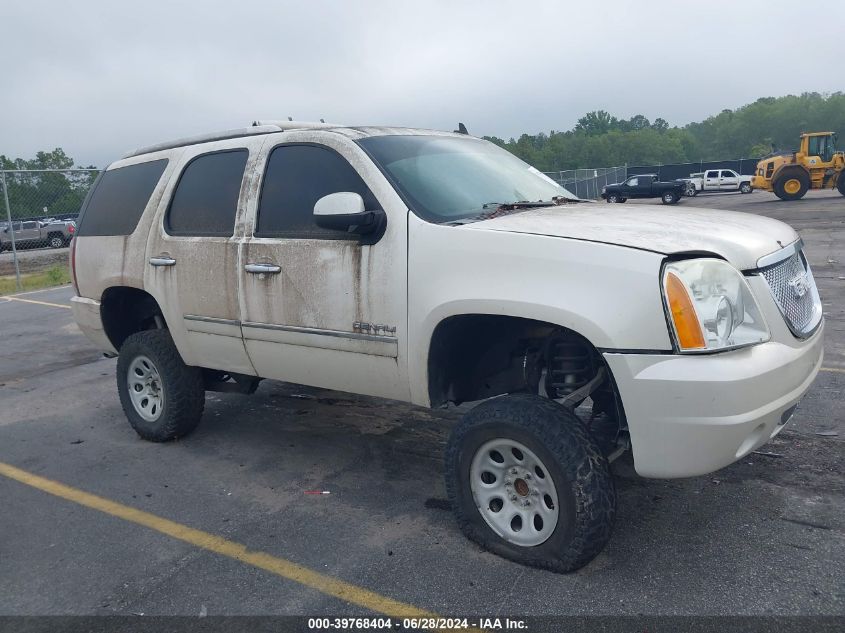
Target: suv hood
{"points": [[741, 238]]}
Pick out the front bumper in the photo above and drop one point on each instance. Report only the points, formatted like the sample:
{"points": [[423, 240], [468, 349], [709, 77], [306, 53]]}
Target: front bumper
{"points": [[86, 312], [693, 414]]}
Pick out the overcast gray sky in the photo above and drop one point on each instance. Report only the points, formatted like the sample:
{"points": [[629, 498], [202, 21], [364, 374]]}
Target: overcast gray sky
{"points": [[100, 78]]}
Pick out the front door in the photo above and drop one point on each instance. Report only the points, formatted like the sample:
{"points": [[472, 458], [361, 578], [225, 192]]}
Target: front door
{"points": [[729, 180], [192, 254], [320, 308]]}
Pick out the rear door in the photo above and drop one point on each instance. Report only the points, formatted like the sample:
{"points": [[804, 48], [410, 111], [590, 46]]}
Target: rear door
{"points": [[28, 232], [711, 180], [192, 252]]}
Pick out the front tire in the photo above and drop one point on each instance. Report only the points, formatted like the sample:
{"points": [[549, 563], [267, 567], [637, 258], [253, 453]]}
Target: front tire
{"points": [[791, 184], [162, 397], [528, 482], [746, 187], [840, 184], [613, 197]]}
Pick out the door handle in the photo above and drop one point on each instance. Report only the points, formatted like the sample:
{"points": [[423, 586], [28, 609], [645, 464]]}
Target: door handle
{"points": [[162, 260], [259, 269]]}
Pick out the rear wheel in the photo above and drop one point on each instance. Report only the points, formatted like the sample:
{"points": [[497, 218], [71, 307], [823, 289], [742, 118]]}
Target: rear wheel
{"points": [[669, 197], [527, 481], [746, 187], [162, 397], [56, 241], [791, 184], [840, 184]]}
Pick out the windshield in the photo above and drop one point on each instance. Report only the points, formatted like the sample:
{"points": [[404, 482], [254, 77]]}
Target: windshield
{"points": [[444, 178]]}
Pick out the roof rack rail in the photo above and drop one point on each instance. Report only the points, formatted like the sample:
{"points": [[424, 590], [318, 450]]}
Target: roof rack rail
{"points": [[253, 130], [257, 127], [290, 124]]}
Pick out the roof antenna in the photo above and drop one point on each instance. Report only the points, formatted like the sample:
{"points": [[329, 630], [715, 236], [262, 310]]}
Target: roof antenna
{"points": [[462, 129], [290, 118]]}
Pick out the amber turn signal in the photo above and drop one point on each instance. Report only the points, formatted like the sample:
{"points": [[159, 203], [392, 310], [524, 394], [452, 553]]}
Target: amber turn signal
{"points": [[687, 326]]}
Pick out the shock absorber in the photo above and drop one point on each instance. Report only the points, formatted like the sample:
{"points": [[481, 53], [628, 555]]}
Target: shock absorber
{"points": [[569, 364]]}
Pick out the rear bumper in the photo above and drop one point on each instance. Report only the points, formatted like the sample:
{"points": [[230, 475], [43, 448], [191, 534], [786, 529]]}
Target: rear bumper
{"points": [[690, 415], [86, 312]]}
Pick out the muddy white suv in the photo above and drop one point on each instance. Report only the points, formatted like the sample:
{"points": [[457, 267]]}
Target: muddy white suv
{"points": [[437, 268]]}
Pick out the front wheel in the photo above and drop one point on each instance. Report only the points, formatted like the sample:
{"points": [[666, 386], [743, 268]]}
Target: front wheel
{"points": [[746, 187], [840, 184], [613, 197], [162, 397], [527, 481], [691, 191], [670, 197]]}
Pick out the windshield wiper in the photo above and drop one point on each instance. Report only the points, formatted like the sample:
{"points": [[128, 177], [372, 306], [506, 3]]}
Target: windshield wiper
{"points": [[499, 209]]}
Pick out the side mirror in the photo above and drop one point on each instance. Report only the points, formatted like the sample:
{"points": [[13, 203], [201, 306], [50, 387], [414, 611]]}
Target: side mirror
{"points": [[344, 211]]}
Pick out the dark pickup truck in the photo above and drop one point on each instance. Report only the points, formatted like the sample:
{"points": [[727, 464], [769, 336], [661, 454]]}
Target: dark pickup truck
{"points": [[644, 186]]}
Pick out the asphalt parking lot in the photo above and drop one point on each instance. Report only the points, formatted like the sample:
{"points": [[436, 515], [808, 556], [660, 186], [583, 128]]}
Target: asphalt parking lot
{"points": [[765, 536]]}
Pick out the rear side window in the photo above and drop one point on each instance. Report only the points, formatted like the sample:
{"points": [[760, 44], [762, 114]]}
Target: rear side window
{"points": [[296, 177], [119, 199], [206, 198]]}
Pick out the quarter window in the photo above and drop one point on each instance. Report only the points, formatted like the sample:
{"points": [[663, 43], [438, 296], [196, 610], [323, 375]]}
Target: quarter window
{"points": [[296, 177], [206, 198], [119, 198]]}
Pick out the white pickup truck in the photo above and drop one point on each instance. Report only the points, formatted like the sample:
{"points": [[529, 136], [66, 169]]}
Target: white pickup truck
{"points": [[714, 180], [437, 268]]}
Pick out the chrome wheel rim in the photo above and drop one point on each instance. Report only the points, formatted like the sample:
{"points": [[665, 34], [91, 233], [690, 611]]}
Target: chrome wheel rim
{"points": [[514, 492], [145, 388]]}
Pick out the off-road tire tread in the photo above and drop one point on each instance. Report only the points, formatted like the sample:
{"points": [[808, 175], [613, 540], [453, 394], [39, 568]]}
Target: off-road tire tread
{"points": [[580, 458], [183, 385], [840, 183], [786, 174]]}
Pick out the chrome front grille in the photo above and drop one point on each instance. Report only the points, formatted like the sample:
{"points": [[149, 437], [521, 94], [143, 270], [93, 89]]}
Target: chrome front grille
{"points": [[795, 293]]}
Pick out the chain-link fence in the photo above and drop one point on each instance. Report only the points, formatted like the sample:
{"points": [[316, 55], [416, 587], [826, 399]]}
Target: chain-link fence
{"points": [[587, 183], [39, 211]]}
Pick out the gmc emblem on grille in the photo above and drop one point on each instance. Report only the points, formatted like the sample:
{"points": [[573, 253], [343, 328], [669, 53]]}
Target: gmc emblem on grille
{"points": [[800, 285]]}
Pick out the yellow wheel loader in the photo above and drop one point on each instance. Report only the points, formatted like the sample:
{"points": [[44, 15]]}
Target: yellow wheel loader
{"points": [[816, 165]]}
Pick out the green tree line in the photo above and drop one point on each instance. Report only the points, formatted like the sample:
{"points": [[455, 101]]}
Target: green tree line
{"points": [[31, 192], [602, 140]]}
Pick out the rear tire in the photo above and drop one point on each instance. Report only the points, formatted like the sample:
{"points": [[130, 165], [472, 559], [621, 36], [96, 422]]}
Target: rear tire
{"points": [[553, 485], [162, 397], [791, 184], [840, 184], [56, 241], [669, 197]]}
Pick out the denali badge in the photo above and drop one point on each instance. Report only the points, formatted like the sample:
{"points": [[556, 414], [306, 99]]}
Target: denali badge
{"points": [[372, 328], [800, 285]]}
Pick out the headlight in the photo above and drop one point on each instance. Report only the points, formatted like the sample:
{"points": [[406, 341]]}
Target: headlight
{"points": [[710, 306]]}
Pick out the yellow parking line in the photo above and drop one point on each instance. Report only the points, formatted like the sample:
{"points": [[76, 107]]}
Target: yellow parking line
{"points": [[278, 566], [833, 369], [41, 303]]}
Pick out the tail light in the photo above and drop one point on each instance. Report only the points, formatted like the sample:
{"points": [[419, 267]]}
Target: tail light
{"points": [[71, 229], [73, 264]]}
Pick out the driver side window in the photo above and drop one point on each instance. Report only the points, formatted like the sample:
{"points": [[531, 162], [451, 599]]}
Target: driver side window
{"points": [[632, 182], [296, 177]]}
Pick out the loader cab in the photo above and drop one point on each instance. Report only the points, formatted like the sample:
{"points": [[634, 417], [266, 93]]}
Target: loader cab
{"points": [[820, 147]]}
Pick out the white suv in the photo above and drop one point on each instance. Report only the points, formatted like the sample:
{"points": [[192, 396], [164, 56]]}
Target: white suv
{"points": [[435, 267]]}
